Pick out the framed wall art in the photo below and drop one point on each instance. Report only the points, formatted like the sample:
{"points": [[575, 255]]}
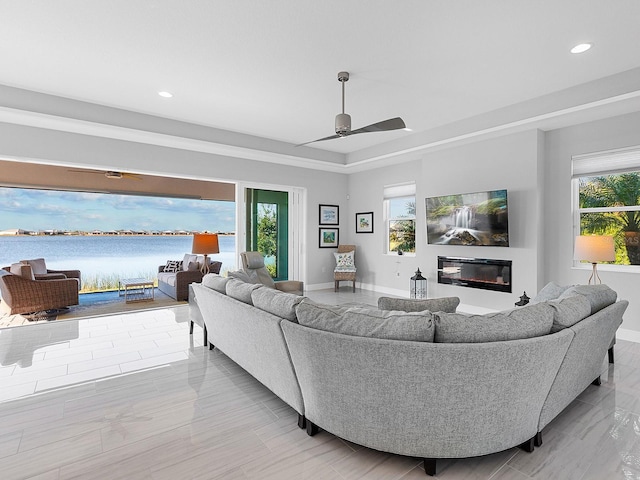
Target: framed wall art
{"points": [[329, 215], [329, 237], [364, 222]]}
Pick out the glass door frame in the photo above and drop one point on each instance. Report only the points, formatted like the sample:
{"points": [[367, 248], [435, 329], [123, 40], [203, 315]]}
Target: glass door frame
{"points": [[297, 199]]}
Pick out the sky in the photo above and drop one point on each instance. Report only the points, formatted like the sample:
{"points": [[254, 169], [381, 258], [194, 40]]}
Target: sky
{"points": [[35, 210]]}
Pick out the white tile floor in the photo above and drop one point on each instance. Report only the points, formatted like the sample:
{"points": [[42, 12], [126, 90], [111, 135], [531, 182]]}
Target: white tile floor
{"points": [[134, 396]]}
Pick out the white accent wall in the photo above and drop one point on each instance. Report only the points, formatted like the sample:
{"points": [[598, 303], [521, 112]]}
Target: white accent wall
{"points": [[512, 162], [612, 133]]}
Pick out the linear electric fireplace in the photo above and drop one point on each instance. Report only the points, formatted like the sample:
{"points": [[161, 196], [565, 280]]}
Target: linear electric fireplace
{"points": [[482, 273]]}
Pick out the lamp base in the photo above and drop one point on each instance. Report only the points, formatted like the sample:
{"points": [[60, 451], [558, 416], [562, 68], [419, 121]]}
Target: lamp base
{"points": [[594, 275], [205, 265]]}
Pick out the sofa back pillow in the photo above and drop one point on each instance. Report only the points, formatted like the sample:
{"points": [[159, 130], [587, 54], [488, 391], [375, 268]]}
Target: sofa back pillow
{"points": [[568, 311], [190, 262], [550, 291], [527, 322], [280, 304], [240, 290], [445, 304], [363, 322], [22, 270], [599, 296], [243, 276], [38, 265], [215, 282]]}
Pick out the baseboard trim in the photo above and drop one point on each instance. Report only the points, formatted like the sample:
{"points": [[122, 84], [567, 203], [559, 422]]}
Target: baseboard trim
{"points": [[629, 335]]}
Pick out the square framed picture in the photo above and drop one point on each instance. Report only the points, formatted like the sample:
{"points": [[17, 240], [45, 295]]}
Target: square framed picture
{"points": [[329, 237], [329, 215], [364, 222]]}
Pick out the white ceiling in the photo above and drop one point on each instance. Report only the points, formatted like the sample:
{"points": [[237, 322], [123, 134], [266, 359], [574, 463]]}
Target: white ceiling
{"points": [[269, 68]]}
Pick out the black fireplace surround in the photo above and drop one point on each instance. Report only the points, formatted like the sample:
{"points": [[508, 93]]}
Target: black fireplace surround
{"points": [[482, 273]]}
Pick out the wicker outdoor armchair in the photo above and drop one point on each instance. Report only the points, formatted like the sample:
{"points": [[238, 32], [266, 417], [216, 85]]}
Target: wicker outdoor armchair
{"points": [[22, 295]]}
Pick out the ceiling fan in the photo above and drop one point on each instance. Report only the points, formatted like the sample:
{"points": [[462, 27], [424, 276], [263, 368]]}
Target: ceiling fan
{"points": [[111, 174], [343, 120]]}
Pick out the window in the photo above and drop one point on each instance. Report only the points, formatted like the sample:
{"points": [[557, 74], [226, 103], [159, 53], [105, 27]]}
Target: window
{"points": [[400, 218], [607, 195]]}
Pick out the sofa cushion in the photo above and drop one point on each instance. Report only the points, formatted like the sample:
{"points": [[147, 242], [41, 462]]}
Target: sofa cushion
{"points": [[22, 270], [251, 277], [276, 302], [167, 277], [240, 290], [215, 282], [38, 265], [599, 296], [445, 304], [172, 266], [529, 321], [550, 291], [568, 311], [363, 322]]}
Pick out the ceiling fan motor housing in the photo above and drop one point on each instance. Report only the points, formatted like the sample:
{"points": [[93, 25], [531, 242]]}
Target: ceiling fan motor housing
{"points": [[343, 124]]}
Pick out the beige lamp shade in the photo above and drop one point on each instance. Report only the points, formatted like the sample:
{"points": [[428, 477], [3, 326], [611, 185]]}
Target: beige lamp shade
{"points": [[594, 248], [205, 243]]}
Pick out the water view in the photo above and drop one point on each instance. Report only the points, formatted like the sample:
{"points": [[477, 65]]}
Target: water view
{"points": [[108, 255]]}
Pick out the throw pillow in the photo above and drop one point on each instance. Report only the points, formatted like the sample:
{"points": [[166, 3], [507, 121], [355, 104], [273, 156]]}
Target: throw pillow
{"points": [[240, 290], [215, 282], [529, 321], [187, 259], [550, 291], [278, 303], [599, 296], [363, 322], [344, 259], [22, 270], [172, 266], [568, 311], [38, 265], [445, 304]]}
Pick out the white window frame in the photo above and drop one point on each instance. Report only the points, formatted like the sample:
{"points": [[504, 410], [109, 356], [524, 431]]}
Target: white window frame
{"points": [[390, 192], [608, 162]]}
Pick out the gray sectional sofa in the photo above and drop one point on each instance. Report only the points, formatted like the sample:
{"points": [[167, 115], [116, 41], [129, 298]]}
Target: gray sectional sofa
{"points": [[428, 384]]}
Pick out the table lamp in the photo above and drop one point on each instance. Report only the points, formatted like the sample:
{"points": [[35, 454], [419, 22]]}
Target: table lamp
{"points": [[594, 249], [205, 243]]}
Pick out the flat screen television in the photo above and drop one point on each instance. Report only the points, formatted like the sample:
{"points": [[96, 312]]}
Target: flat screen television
{"points": [[480, 218]]}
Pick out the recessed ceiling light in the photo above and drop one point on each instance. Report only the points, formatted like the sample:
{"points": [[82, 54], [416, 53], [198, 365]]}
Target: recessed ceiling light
{"points": [[165, 94], [580, 48]]}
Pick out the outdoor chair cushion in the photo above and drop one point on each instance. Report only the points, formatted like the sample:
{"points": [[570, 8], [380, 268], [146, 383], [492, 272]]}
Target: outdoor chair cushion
{"points": [[23, 270], [38, 265]]}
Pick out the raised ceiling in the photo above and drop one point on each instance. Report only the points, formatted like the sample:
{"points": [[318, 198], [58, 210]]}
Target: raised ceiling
{"points": [[269, 69]]}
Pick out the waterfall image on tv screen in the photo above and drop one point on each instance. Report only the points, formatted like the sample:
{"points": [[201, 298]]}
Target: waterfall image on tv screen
{"points": [[468, 219]]}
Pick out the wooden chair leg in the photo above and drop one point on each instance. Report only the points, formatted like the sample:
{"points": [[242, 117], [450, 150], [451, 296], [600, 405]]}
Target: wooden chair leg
{"points": [[528, 445], [335, 285], [302, 422], [312, 428], [611, 355], [537, 440], [430, 466], [354, 286]]}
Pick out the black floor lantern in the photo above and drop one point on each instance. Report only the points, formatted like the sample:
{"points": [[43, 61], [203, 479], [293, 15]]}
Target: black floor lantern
{"points": [[418, 285]]}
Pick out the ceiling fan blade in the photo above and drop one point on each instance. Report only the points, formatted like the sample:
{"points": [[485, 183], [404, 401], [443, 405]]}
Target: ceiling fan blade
{"points": [[384, 126], [319, 140]]}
